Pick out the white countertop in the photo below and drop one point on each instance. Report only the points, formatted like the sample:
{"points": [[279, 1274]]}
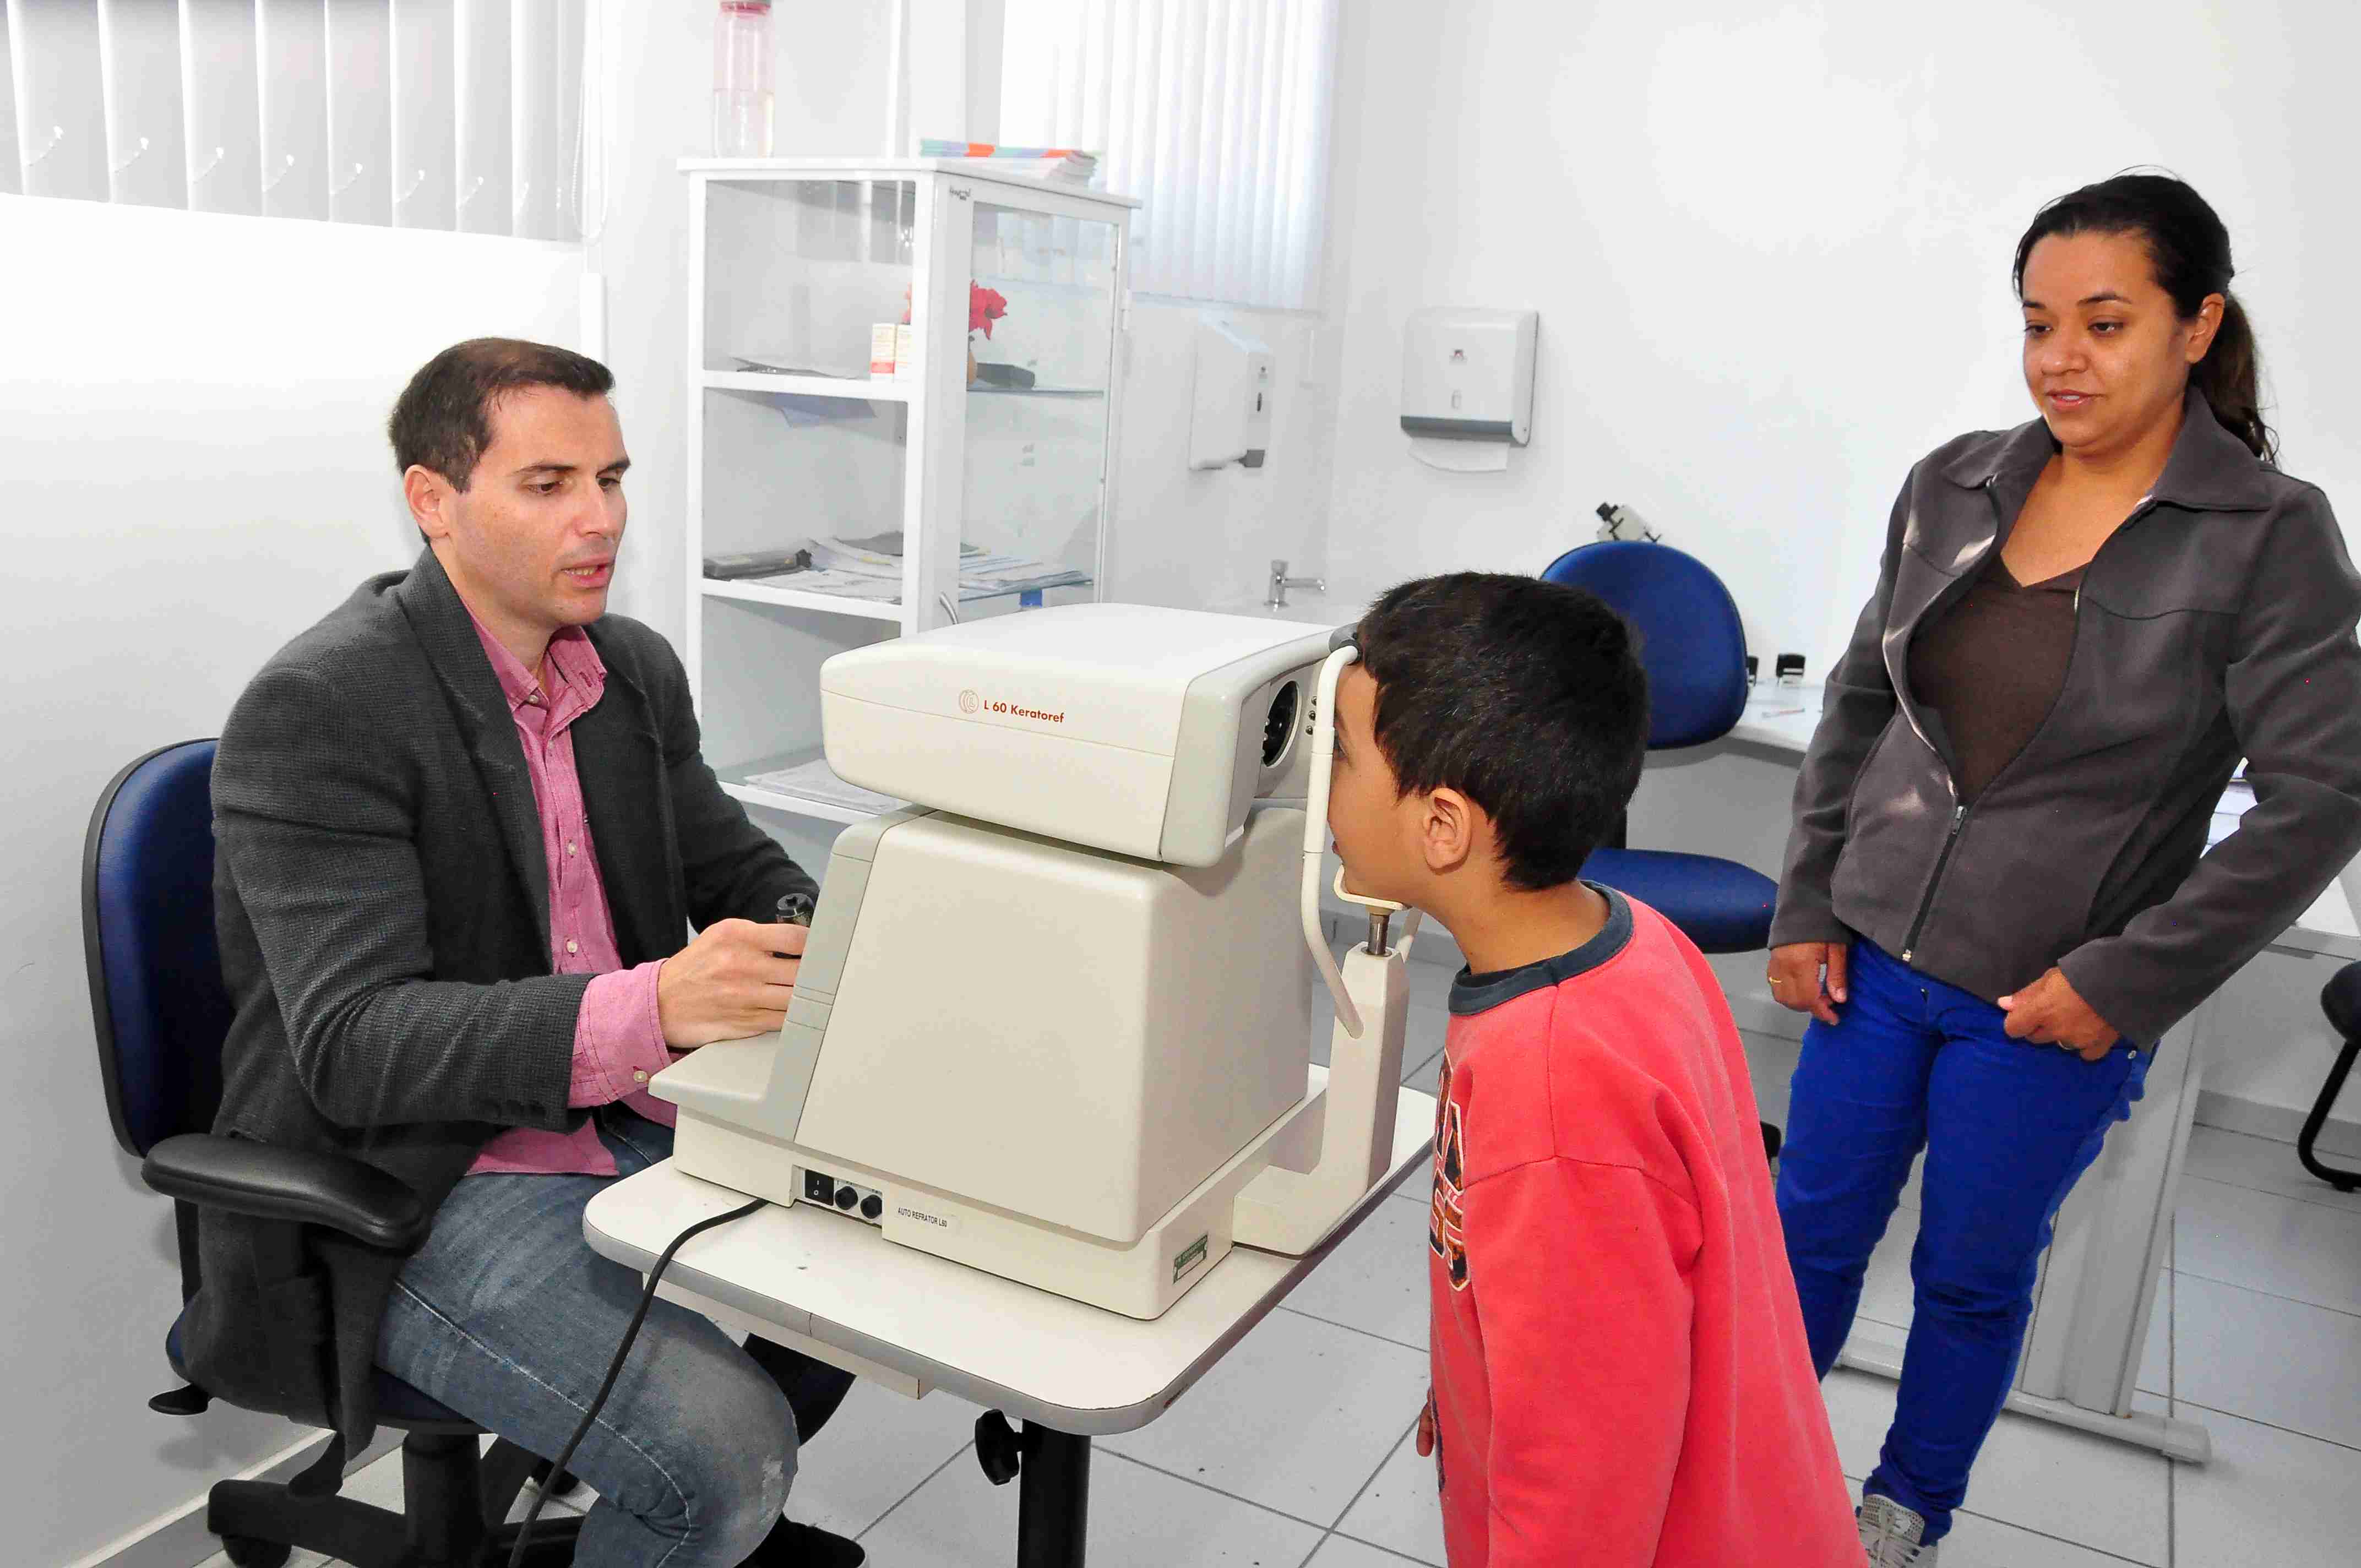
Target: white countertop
{"points": [[1780, 717]]}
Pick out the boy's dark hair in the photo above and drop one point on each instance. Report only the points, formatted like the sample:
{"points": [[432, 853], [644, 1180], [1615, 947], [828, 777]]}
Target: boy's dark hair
{"points": [[1526, 696], [442, 421]]}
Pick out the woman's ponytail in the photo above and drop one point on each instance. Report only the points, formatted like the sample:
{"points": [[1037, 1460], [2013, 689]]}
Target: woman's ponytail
{"points": [[2228, 376]]}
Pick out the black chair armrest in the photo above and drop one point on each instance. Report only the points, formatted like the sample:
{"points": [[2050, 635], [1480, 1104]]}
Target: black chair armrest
{"points": [[306, 1186]]}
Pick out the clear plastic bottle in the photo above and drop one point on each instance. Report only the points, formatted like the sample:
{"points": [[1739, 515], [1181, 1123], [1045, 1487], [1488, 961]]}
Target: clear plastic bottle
{"points": [[742, 79]]}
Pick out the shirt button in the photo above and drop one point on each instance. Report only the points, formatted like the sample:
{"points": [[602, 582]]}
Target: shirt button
{"points": [[570, 946], [639, 1075], [569, 849]]}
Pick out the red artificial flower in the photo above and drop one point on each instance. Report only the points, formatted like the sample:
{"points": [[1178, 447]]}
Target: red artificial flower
{"points": [[984, 306]]}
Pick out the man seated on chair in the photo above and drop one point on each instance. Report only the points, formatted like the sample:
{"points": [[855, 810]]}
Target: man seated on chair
{"points": [[463, 827]]}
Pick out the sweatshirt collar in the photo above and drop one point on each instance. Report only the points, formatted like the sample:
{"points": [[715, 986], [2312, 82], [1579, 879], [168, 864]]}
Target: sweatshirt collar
{"points": [[1473, 994]]}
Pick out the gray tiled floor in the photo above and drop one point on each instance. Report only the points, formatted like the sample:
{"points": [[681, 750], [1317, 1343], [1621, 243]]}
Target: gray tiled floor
{"points": [[1294, 1454]]}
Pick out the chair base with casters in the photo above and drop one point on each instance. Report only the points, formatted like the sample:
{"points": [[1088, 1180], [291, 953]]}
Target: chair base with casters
{"points": [[2340, 1000], [456, 1496], [161, 1012], [446, 1519]]}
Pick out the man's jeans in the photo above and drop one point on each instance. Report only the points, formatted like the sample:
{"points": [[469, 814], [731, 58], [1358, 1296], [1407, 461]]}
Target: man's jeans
{"points": [[2007, 1128], [509, 1318]]}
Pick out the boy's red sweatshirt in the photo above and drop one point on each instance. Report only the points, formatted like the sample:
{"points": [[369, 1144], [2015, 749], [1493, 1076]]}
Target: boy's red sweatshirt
{"points": [[1621, 1372]]}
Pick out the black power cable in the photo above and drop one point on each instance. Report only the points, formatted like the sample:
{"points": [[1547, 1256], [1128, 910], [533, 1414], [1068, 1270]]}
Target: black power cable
{"points": [[615, 1369]]}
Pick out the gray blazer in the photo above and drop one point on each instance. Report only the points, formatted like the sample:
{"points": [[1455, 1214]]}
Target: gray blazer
{"points": [[2216, 623], [383, 898]]}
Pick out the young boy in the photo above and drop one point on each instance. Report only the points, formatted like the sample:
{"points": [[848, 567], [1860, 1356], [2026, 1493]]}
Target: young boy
{"points": [[1621, 1374]]}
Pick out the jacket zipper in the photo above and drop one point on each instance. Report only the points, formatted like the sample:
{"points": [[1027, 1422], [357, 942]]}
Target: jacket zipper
{"points": [[1951, 780], [1958, 810], [1950, 841]]}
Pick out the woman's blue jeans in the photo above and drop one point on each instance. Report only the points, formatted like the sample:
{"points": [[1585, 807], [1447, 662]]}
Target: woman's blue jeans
{"points": [[2007, 1126]]}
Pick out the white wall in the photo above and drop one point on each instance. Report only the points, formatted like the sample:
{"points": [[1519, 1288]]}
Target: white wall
{"points": [[192, 468], [1771, 255], [1196, 540], [1770, 249]]}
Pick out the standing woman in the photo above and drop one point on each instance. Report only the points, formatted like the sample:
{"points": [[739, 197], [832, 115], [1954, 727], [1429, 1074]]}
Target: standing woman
{"points": [[1997, 895]]}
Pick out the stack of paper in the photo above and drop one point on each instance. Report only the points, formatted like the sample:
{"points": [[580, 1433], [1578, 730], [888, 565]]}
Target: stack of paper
{"points": [[782, 362], [816, 781], [844, 571], [986, 577], [1065, 164]]}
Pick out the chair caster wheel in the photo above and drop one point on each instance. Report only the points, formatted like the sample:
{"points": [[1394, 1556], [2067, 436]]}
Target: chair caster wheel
{"points": [[248, 1552]]}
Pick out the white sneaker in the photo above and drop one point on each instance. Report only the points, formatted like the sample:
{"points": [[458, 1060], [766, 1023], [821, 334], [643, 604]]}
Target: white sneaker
{"points": [[1890, 1532]]}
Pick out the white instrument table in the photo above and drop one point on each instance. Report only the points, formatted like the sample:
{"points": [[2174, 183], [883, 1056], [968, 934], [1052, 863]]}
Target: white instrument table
{"points": [[1070, 1371]]}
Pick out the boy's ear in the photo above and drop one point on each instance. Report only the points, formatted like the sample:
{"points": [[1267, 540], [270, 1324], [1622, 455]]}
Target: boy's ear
{"points": [[1450, 826]]}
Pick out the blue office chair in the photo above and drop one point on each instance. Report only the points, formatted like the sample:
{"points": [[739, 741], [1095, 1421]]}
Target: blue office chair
{"points": [[1693, 645], [161, 1010]]}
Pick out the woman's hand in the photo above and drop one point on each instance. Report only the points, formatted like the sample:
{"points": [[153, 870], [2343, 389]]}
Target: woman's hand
{"points": [[1426, 1426], [2050, 1012], [1796, 983]]}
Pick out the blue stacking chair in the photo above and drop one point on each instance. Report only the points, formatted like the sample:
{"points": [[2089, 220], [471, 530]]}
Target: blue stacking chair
{"points": [[1693, 645], [161, 1013]]}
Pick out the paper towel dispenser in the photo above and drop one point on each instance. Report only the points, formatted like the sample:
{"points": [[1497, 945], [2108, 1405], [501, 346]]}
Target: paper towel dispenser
{"points": [[1229, 419], [1468, 375]]}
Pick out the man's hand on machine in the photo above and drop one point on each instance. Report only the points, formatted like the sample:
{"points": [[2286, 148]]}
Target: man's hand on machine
{"points": [[1796, 977], [733, 982]]}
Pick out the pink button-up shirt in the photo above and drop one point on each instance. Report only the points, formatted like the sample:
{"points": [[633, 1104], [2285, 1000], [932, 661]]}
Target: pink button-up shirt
{"points": [[618, 1038]]}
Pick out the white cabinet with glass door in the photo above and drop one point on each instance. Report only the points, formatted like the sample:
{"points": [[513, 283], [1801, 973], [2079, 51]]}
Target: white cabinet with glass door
{"points": [[904, 396]]}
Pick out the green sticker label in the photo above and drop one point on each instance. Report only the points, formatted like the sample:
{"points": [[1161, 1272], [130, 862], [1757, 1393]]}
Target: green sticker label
{"points": [[1191, 1257]]}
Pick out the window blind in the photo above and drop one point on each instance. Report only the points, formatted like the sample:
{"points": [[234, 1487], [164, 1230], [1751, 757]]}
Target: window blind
{"points": [[482, 116], [1216, 114]]}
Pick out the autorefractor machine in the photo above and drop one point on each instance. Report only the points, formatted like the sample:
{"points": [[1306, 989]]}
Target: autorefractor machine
{"points": [[1054, 1018]]}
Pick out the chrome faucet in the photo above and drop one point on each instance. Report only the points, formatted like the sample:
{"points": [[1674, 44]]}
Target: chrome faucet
{"points": [[1281, 582]]}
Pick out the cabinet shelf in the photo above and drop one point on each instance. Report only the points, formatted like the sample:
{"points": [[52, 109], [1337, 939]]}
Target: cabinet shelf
{"points": [[792, 598], [795, 263], [981, 389], [882, 610], [881, 389]]}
